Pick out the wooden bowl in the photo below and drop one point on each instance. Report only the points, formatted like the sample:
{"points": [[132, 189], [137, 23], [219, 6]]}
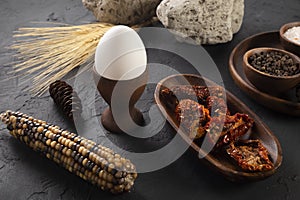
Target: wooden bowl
{"points": [[218, 162], [286, 43], [286, 104], [269, 83]]}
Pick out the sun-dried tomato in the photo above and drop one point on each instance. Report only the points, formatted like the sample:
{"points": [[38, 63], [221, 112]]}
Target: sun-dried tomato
{"points": [[250, 155], [223, 130], [221, 127], [193, 92], [203, 111], [192, 117], [217, 106]]}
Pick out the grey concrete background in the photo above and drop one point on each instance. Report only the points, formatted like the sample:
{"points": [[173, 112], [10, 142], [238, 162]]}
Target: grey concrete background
{"points": [[26, 175]]}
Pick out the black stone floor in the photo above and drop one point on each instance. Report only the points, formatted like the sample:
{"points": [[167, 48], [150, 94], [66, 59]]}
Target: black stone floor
{"points": [[26, 175]]}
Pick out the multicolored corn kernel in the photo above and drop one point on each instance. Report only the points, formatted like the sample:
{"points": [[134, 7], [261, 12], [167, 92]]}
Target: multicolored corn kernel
{"points": [[250, 155], [94, 163]]}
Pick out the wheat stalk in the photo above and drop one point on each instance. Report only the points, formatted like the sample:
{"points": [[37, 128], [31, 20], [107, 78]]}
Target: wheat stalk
{"points": [[52, 52]]}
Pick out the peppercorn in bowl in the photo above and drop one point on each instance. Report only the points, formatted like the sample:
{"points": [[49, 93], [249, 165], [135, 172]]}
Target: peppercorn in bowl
{"points": [[272, 70]]}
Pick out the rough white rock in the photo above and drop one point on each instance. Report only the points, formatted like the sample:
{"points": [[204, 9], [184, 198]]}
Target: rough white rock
{"points": [[128, 12], [204, 21]]}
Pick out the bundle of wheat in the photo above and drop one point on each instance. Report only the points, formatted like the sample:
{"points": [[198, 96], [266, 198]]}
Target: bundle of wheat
{"points": [[52, 52]]}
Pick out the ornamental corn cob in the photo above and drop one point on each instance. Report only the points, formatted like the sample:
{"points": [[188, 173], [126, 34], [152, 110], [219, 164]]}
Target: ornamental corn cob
{"points": [[94, 163]]}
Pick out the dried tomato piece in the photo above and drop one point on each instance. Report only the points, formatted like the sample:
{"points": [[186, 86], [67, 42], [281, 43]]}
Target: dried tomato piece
{"points": [[250, 155], [223, 130], [194, 92], [217, 91], [192, 117], [217, 106], [202, 93]]}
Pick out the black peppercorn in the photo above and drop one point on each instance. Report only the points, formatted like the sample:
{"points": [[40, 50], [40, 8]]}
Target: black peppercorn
{"points": [[274, 63]]}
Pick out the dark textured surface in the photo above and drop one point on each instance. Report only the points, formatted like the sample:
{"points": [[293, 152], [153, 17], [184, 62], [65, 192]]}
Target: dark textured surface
{"points": [[25, 175]]}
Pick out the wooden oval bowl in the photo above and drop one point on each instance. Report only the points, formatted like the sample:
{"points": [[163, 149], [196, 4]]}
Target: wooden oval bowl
{"points": [[217, 162], [286, 43], [269, 83]]}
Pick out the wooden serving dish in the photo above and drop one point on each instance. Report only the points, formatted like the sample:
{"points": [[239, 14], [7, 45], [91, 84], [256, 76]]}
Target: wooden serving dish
{"points": [[287, 103], [220, 162]]}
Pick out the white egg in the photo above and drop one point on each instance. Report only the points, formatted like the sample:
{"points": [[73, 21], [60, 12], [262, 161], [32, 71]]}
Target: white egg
{"points": [[120, 54]]}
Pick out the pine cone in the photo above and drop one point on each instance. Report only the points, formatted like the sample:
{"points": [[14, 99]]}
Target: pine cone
{"points": [[66, 98]]}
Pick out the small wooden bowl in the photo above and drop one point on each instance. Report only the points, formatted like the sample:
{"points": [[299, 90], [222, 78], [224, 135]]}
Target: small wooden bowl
{"points": [[286, 43], [269, 83]]}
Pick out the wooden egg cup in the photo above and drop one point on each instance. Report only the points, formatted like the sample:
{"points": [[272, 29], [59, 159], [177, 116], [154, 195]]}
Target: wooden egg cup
{"points": [[135, 87]]}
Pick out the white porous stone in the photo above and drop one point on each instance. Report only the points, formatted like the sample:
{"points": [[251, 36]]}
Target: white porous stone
{"points": [[128, 12], [204, 21]]}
